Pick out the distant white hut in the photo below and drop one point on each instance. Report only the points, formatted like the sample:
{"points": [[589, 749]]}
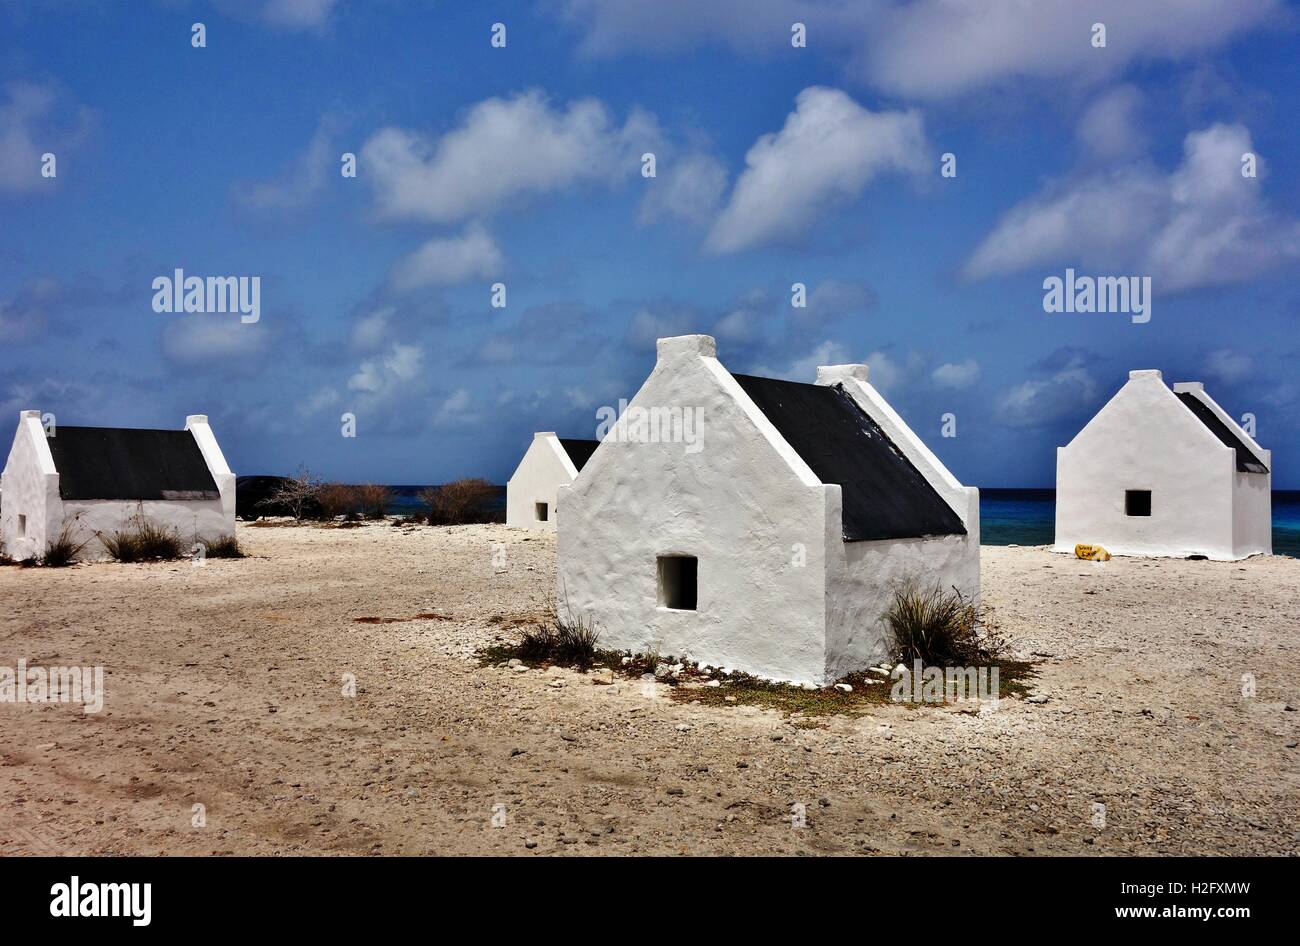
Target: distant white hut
{"points": [[549, 463], [91, 480], [1164, 473], [757, 524]]}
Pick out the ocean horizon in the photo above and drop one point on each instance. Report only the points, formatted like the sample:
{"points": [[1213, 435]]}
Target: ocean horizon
{"points": [[1007, 516]]}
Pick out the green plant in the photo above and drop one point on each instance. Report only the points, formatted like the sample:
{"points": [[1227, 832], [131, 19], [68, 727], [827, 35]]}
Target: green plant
{"points": [[227, 546], [143, 540], [940, 628]]}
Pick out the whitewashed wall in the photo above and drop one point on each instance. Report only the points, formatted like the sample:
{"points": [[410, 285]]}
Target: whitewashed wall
{"points": [[1145, 438], [1252, 493], [545, 467], [30, 485], [861, 578], [749, 508], [743, 505]]}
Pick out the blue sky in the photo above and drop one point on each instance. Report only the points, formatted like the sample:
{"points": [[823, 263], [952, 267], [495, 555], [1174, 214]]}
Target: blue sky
{"points": [[522, 165]]}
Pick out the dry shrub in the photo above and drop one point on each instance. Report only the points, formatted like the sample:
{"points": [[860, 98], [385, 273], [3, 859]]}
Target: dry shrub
{"points": [[458, 503], [560, 641], [225, 547], [338, 499], [143, 540], [940, 628], [374, 500], [62, 550]]}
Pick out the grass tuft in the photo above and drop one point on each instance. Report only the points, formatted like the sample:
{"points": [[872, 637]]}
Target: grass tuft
{"points": [[940, 628], [143, 540], [225, 547]]}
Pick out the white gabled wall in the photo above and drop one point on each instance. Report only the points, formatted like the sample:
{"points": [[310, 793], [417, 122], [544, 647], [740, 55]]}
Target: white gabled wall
{"points": [[197, 425], [743, 504], [545, 467], [29, 486], [861, 577], [1145, 438], [1252, 493]]}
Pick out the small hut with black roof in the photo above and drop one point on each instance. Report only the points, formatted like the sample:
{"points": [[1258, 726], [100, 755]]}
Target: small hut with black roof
{"points": [[85, 482], [1164, 473], [549, 462], [758, 524]]}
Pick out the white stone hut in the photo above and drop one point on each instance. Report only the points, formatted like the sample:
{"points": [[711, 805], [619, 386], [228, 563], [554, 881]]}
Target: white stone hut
{"points": [[549, 463], [87, 480], [1164, 473], [757, 524]]}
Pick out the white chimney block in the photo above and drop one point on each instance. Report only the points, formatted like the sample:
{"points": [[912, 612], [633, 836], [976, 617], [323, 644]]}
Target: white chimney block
{"points": [[834, 374], [1187, 386], [1146, 373], [679, 346]]}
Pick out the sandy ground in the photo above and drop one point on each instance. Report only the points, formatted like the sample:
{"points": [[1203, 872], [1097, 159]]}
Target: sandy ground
{"points": [[225, 689]]}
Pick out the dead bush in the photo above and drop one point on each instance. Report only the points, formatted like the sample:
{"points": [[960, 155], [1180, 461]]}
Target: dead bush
{"points": [[458, 503], [338, 499], [374, 500]]}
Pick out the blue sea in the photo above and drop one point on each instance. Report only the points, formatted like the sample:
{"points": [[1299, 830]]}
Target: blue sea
{"points": [[1007, 516], [1028, 517]]}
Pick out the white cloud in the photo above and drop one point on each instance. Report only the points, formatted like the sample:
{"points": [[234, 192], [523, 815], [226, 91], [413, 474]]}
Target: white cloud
{"points": [[444, 261], [805, 368], [386, 374], [689, 188], [457, 408], [197, 339], [503, 149], [298, 14], [930, 48], [934, 48], [957, 375], [648, 325], [323, 398], [1228, 366], [828, 151], [32, 124], [302, 181], [371, 329], [1110, 127], [1068, 391], [1204, 224]]}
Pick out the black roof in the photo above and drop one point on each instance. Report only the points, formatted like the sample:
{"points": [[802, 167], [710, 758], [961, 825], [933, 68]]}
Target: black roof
{"points": [[579, 451], [884, 495], [1247, 462], [126, 463]]}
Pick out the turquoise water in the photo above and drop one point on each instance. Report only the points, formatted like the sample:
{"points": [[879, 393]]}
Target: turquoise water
{"points": [[1028, 517], [1007, 516]]}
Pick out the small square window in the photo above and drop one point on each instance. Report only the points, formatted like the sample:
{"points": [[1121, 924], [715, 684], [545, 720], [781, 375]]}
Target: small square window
{"points": [[677, 582], [1137, 502], [22, 526], [543, 511]]}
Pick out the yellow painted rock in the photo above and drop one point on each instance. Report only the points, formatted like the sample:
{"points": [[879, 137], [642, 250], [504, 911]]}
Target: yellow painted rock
{"points": [[1093, 553]]}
